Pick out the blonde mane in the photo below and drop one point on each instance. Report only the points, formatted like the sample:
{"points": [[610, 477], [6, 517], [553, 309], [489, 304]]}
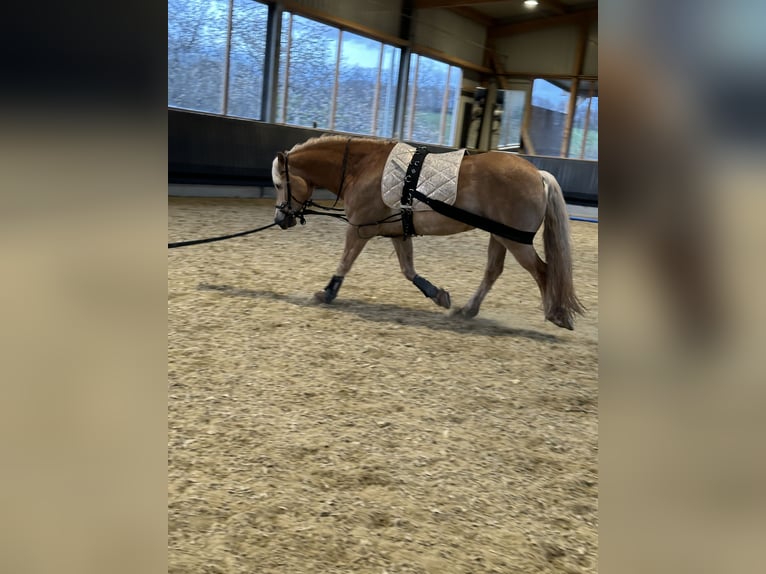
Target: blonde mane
{"points": [[329, 138]]}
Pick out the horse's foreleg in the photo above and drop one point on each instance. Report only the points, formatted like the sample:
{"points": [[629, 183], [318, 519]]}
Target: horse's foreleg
{"points": [[406, 263], [351, 250], [495, 262]]}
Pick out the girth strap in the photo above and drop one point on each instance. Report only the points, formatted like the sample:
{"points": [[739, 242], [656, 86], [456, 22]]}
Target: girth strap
{"points": [[410, 189]]}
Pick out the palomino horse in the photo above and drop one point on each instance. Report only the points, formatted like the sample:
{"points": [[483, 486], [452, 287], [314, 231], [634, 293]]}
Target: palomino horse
{"points": [[499, 186]]}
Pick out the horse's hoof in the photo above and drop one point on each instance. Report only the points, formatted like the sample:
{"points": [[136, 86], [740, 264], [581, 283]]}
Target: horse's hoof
{"points": [[561, 320], [469, 312], [443, 299], [320, 297]]}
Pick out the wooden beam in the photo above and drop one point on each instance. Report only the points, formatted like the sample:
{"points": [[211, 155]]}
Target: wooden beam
{"points": [[300, 9], [553, 5], [452, 60], [228, 62], [474, 15], [533, 75], [287, 68], [342, 23], [498, 69], [587, 123], [526, 138], [577, 69], [336, 82], [586, 16], [425, 4]]}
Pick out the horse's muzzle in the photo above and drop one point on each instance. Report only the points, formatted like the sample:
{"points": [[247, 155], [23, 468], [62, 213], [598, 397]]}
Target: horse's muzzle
{"points": [[284, 220]]}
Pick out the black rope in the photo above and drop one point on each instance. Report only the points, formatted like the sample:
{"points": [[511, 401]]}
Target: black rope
{"points": [[309, 203], [335, 215], [221, 238]]}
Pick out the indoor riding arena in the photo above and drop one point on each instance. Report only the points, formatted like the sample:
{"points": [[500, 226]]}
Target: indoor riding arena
{"points": [[379, 433]]}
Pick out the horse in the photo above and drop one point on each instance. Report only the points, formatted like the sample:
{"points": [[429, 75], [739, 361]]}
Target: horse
{"points": [[494, 186]]}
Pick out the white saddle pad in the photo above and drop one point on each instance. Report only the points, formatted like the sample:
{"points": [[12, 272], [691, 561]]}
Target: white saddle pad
{"points": [[438, 178]]}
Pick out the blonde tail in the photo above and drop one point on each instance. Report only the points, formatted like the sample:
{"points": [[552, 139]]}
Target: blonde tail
{"points": [[560, 301]]}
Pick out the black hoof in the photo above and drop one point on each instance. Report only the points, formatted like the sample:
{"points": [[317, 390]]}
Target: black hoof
{"points": [[466, 312], [443, 299], [562, 319], [321, 297]]}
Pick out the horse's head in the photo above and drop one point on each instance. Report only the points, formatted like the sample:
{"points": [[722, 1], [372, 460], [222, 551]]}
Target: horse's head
{"points": [[293, 193]]}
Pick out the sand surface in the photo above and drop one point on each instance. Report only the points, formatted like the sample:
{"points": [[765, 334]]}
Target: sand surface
{"points": [[377, 434]]}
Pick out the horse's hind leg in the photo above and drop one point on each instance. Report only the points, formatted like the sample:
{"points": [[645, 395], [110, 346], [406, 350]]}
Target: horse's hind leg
{"points": [[403, 249], [530, 260], [495, 262], [351, 250]]}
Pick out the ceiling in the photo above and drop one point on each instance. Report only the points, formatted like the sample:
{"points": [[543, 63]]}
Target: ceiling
{"points": [[503, 17]]}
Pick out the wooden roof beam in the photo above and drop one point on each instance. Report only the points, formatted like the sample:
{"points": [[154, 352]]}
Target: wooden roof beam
{"points": [[451, 60], [424, 4], [553, 5], [473, 15], [585, 16]]}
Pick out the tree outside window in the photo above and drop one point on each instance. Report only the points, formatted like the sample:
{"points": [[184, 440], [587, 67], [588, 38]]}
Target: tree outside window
{"points": [[246, 58], [307, 71], [197, 39], [548, 113], [583, 143], [336, 80], [434, 90]]}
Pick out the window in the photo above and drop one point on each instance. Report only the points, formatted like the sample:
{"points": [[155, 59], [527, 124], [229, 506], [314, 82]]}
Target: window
{"points": [[202, 37], [366, 91], [434, 90], [583, 142], [336, 80], [197, 40], [548, 116], [388, 80], [246, 58], [513, 103], [307, 72], [327, 78], [357, 84]]}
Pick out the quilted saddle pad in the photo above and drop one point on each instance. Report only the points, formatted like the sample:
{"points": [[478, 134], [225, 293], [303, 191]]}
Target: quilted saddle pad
{"points": [[438, 178]]}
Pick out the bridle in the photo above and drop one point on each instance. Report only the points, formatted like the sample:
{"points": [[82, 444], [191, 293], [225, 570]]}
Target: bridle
{"points": [[286, 207]]}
